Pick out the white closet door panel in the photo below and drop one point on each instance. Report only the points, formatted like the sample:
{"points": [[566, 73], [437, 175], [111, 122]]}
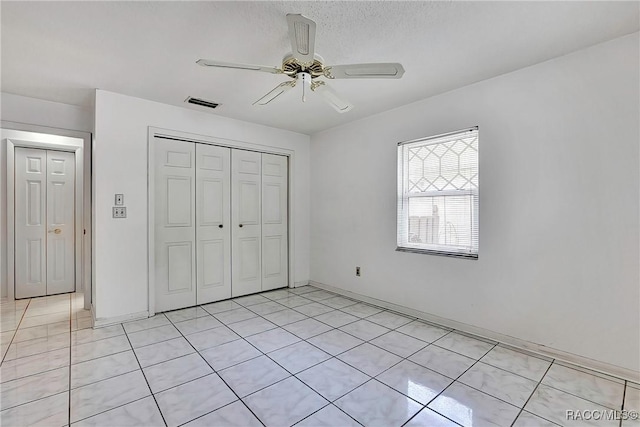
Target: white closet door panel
{"points": [[274, 222], [246, 212], [30, 222], [213, 223], [174, 230], [61, 220]]}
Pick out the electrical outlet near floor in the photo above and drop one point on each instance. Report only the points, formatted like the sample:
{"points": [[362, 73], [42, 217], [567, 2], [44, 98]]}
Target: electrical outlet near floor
{"points": [[119, 212], [358, 271]]}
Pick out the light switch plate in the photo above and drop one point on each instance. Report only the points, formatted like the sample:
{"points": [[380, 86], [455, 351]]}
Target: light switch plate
{"points": [[119, 212], [119, 200]]}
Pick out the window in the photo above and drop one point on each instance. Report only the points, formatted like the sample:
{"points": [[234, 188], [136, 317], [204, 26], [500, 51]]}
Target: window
{"points": [[438, 194]]}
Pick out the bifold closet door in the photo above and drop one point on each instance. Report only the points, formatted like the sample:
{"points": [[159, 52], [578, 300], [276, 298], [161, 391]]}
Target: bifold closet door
{"points": [[274, 222], [246, 173], [174, 210], [61, 183], [44, 222], [213, 223], [30, 222]]}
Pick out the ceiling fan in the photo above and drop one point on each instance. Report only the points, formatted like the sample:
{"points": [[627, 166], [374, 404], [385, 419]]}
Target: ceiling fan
{"points": [[304, 66]]}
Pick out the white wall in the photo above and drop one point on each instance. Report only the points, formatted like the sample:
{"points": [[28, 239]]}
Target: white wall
{"points": [[120, 166], [22, 109], [32, 111], [559, 206]]}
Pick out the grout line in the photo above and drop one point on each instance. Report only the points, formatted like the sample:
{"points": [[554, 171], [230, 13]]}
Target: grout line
{"points": [[455, 380], [331, 356], [16, 331], [575, 395], [325, 406], [76, 344], [270, 358], [111, 409], [145, 379], [218, 375], [624, 395], [531, 395], [35, 373], [506, 370]]}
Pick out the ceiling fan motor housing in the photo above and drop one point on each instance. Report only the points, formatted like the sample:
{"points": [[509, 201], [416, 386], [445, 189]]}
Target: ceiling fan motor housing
{"points": [[292, 67]]}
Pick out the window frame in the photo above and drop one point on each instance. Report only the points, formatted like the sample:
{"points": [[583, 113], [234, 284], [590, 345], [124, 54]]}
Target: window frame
{"points": [[402, 220]]}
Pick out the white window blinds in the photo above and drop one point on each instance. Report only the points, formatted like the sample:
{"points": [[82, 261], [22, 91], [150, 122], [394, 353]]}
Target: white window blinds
{"points": [[438, 194]]}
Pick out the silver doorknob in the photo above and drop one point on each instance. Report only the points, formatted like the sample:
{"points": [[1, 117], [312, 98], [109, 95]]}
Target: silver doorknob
{"points": [[57, 231]]}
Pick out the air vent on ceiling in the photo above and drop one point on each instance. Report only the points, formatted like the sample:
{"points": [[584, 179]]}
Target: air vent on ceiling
{"points": [[201, 102]]}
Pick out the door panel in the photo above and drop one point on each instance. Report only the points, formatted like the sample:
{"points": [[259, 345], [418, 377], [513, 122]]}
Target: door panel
{"points": [[213, 251], [272, 256], [274, 222], [246, 213], [249, 202], [212, 196], [174, 230], [61, 178], [30, 223], [179, 201], [179, 261], [213, 223], [249, 269]]}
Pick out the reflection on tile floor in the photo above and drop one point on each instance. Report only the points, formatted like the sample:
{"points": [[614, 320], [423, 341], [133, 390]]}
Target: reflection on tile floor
{"points": [[300, 356]]}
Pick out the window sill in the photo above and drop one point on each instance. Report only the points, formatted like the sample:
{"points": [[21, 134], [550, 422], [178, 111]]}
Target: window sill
{"points": [[439, 253]]}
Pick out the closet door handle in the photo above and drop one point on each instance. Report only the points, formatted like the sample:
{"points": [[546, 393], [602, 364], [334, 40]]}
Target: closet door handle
{"points": [[240, 226], [220, 226]]}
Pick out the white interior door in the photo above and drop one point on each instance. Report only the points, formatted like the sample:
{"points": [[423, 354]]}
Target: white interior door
{"points": [[30, 222], [61, 179], [174, 211], [44, 222], [274, 222], [213, 223], [246, 222]]}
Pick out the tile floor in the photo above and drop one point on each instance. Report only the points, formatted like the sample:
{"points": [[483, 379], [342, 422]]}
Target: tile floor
{"points": [[299, 356]]}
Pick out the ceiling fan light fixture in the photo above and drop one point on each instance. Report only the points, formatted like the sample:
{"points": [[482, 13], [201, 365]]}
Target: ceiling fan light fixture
{"points": [[306, 84]]}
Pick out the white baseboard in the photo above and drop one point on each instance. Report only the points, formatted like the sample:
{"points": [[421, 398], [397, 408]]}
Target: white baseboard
{"points": [[302, 283], [538, 349], [108, 321]]}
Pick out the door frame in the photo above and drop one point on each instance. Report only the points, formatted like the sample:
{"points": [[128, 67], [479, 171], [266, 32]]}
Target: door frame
{"points": [[46, 138], [221, 142]]}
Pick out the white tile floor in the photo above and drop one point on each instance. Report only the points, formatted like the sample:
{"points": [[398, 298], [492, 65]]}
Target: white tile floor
{"points": [[302, 356]]}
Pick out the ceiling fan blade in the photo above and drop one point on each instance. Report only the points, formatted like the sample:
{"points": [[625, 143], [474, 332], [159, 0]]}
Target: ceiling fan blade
{"points": [[219, 64], [389, 70], [332, 98], [276, 92], [302, 32]]}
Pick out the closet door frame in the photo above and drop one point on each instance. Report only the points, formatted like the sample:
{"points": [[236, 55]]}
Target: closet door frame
{"points": [[222, 142], [45, 138]]}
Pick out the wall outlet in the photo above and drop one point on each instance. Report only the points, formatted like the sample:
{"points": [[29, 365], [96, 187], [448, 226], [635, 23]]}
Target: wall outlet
{"points": [[119, 212], [358, 271], [119, 200]]}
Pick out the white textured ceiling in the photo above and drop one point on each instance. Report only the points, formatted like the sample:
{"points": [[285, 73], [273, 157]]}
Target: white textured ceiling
{"points": [[61, 51]]}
